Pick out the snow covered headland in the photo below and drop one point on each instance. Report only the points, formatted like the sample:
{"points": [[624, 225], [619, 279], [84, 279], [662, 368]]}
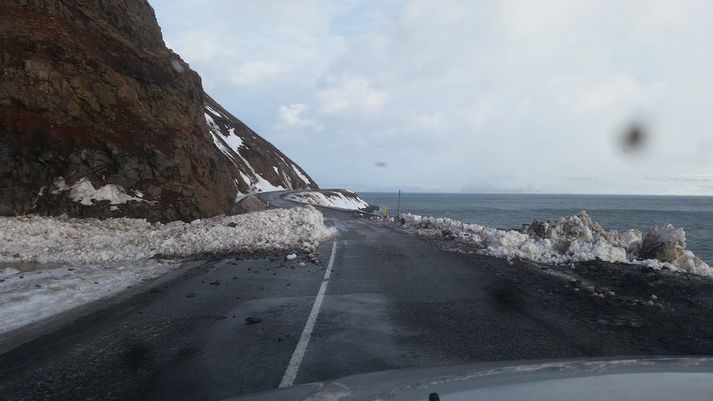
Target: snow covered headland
{"points": [[568, 240], [337, 199], [83, 260]]}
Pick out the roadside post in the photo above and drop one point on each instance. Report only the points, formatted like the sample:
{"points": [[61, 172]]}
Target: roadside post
{"points": [[398, 206]]}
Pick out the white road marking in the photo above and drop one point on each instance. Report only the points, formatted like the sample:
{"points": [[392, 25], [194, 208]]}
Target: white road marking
{"points": [[291, 372]]}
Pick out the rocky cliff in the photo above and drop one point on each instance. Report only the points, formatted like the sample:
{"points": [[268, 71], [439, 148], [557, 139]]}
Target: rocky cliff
{"points": [[99, 118], [256, 164]]}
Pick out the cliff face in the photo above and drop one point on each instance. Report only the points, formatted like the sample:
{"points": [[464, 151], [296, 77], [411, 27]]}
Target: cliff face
{"points": [[99, 118]]}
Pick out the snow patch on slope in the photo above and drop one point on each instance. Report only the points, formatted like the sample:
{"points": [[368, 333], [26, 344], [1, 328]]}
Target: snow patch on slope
{"points": [[233, 140], [302, 176], [230, 146], [84, 192], [218, 139], [263, 185], [333, 199], [566, 240]]}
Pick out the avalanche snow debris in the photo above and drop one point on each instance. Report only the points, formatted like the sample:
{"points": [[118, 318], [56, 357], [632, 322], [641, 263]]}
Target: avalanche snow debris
{"points": [[114, 254], [36, 239], [331, 199], [569, 239]]}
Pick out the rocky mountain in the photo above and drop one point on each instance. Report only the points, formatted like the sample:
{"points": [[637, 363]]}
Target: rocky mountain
{"points": [[99, 118], [256, 164]]}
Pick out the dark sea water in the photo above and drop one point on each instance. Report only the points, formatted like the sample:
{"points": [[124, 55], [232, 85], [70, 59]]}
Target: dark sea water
{"points": [[618, 212]]}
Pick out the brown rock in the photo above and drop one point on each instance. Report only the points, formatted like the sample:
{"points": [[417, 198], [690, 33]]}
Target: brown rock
{"points": [[108, 79], [89, 90]]}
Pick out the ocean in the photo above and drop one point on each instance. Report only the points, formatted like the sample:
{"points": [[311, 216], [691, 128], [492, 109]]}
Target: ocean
{"points": [[618, 212]]}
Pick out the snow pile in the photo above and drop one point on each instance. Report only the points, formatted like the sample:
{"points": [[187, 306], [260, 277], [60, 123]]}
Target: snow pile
{"points": [[93, 259], [668, 244], [333, 199], [68, 240], [85, 193], [566, 240]]}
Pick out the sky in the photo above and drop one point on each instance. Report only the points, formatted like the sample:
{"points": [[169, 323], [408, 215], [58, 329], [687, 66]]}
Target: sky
{"points": [[476, 96]]}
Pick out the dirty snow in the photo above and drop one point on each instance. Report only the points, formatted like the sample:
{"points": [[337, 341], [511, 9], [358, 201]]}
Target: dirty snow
{"points": [[28, 297], [329, 199], [84, 192], [83, 260], [36, 239], [566, 240]]}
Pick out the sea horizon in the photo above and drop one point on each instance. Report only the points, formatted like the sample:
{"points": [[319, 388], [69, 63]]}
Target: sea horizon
{"points": [[510, 211]]}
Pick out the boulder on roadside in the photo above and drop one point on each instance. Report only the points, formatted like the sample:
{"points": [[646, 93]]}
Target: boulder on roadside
{"points": [[249, 203]]}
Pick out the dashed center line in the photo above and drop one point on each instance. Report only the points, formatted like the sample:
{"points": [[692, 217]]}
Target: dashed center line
{"points": [[294, 366]]}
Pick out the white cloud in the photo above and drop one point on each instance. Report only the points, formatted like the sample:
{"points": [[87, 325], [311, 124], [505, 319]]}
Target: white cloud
{"points": [[350, 94], [291, 116], [431, 121], [254, 72], [202, 47], [452, 91]]}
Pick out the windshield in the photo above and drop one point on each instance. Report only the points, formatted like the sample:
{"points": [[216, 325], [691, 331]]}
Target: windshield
{"points": [[208, 199]]}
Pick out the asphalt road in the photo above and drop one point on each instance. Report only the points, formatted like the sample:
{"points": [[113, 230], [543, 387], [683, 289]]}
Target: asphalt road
{"points": [[391, 301]]}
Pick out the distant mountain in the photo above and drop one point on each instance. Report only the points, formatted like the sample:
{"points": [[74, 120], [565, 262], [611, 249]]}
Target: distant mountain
{"points": [[98, 118]]}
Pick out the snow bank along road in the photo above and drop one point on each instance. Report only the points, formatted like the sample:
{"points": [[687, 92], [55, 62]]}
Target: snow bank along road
{"points": [[390, 300]]}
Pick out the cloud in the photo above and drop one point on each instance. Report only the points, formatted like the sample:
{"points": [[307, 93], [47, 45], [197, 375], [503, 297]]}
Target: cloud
{"points": [[350, 94], [291, 116], [430, 121], [240, 46], [202, 47], [254, 72], [450, 92]]}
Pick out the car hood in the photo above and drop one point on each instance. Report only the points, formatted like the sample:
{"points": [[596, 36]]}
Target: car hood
{"points": [[650, 379]]}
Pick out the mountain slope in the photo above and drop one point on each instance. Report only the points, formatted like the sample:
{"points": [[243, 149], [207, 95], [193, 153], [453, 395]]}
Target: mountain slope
{"points": [[99, 119], [256, 164]]}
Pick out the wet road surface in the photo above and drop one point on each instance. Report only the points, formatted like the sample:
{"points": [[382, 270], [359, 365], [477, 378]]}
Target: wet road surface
{"points": [[391, 300]]}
